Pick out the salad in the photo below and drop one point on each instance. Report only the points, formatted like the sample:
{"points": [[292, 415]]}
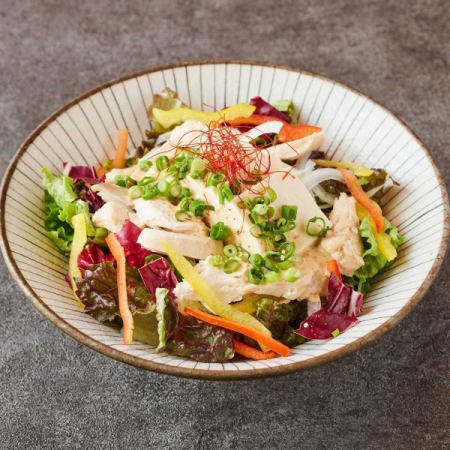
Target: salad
{"points": [[227, 234]]}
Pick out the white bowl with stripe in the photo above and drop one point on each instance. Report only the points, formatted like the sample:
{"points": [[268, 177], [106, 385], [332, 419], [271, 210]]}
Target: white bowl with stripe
{"points": [[356, 128]]}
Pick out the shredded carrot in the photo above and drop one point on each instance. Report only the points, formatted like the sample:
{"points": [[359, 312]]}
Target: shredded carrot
{"points": [[363, 199], [293, 132], [268, 341], [253, 120], [249, 352], [333, 267], [121, 150], [100, 171], [125, 313]]}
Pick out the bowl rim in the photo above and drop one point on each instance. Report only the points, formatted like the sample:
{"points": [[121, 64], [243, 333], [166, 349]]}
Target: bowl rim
{"points": [[136, 361]]}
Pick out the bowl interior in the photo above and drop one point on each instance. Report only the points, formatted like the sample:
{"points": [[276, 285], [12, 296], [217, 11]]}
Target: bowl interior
{"points": [[356, 129]]}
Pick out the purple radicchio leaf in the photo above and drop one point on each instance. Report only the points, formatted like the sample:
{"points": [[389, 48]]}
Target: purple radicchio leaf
{"points": [[264, 108], [336, 315], [158, 274], [127, 236]]}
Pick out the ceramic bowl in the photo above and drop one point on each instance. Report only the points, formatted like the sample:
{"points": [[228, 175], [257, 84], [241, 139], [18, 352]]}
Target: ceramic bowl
{"points": [[356, 129]]}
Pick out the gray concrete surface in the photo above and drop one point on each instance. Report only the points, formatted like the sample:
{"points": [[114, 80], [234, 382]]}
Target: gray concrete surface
{"points": [[55, 393]]}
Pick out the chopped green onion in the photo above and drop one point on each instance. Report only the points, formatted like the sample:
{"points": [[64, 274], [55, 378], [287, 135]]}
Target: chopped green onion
{"points": [[289, 212], [214, 179], [281, 222], [255, 276], [335, 332], [175, 190], [219, 231], [260, 209], [230, 250], [246, 203], [284, 265], [291, 275], [135, 192], [256, 231], [273, 255], [231, 265], [150, 191], [146, 180], [287, 249], [198, 166], [162, 162], [185, 193], [124, 181], [184, 203], [269, 265], [272, 277], [270, 196], [225, 193], [145, 164], [163, 187], [256, 260], [316, 226], [242, 253], [198, 207], [217, 260], [182, 215], [278, 238]]}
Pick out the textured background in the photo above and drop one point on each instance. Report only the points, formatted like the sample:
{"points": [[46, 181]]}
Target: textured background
{"points": [[56, 393]]}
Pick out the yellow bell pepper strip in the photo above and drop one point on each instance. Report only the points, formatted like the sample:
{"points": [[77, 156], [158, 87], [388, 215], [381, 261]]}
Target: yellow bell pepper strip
{"points": [[121, 150], [383, 239], [363, 199], [173, 117], [268, 341], [249, 352], [78, 243], [247, 304], [125, 313], [359, 171], [209, 297]]}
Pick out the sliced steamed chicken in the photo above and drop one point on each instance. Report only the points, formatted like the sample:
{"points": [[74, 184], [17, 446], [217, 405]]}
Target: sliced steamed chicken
{"points": [[229, 213], [111, 216], [188, 237], [188, 134], [111, 193], [192, 246], [160, 213], [290, 151], [343, 242], [232, 287], [291, 191]]}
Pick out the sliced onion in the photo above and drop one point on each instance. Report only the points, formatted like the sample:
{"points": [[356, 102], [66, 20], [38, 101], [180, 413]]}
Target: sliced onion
{"points": [[325, 197], [272, 127], [163, 138], [305, 163], [312, 179]]}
